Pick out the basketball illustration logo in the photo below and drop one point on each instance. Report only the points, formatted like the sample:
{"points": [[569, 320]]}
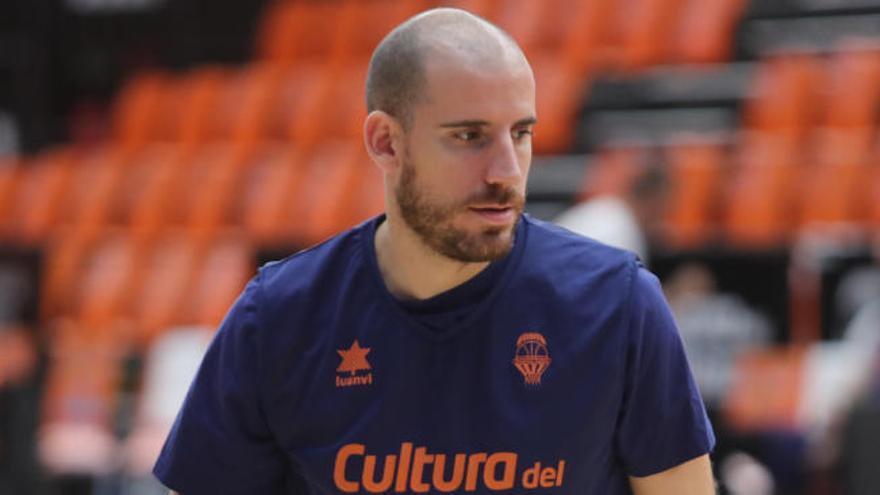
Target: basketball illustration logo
{"points": [[532, 357]]}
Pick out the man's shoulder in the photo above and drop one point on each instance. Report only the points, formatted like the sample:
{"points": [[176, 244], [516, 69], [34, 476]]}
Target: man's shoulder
{"points": [[318, 265], [551, 243], [573, 268]]}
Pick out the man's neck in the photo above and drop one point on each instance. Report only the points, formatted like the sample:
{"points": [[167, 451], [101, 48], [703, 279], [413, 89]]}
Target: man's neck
{"points": [[411, 269]]}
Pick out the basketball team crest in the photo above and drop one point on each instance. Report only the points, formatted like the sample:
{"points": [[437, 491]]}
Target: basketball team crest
{"points": [[532, 357]]}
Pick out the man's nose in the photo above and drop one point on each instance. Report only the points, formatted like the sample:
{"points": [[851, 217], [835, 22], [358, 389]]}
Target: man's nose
{"points": [[504, 166]]}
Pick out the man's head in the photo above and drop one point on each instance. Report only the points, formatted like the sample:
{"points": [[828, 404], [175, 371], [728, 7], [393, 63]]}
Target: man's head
{"points": [[452, 105]]}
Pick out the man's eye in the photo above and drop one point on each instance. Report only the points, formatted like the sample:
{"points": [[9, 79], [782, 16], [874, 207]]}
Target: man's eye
{"points": [[522, 133], [467, 135]]}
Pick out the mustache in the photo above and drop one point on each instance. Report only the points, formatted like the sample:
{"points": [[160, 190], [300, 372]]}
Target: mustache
{"points": [[496, 193]]}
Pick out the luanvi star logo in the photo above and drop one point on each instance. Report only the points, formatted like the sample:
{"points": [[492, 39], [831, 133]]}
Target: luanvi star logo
{"points": [[354, 359]]}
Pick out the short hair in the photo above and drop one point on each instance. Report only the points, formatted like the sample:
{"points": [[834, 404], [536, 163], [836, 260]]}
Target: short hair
{"points": [[396, 78], [396, 75]]}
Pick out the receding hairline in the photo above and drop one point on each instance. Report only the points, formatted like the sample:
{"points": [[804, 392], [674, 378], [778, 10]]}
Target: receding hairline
{"points": [[396, 78]]}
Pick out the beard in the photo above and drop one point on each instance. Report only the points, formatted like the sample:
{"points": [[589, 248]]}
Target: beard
{"points": [[434, 222]]}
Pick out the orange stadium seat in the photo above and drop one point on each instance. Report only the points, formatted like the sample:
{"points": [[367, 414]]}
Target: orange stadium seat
{"points": [[202, 176], [646, 31], [853, 87], [322, 203], [524, 21], [696, 173], [559, 100], [364, 24], [94, 180], [874, 198], [150, 201], [368, 198], [141, 176], [211, 200], [104, 286], [292, 32], [180, 108], [11, 173], [705, 32], [290, 103], [18, 354], [483, 8], [786, 92], [246, 103], [334, 110], [227, 262], [766, 393], [137, 108], [565, 21], [42, 188], [272, 177], [65, 251], [590, 39], [194, 110], [760, 210], [836, 188], [168, 268], [160, 122]]}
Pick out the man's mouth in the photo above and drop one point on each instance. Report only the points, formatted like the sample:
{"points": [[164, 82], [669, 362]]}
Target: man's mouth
{"points": [[498, 214]]}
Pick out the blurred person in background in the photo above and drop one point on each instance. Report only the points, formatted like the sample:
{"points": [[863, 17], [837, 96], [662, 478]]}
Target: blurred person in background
{"points": [[451, 334], [717, 328], [858, 303], [629, 220], [858, 300]]}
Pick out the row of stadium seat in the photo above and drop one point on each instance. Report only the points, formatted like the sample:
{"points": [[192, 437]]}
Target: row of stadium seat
{"points": [[104, 221], [595, 33], [760, 194], [766, 190], [123, 289], [277, 192], [811, 158], [795, 92], [307, 82]]}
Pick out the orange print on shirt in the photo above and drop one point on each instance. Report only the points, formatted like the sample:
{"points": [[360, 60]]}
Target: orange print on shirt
{"points": [[532, 357], [354, 359]]}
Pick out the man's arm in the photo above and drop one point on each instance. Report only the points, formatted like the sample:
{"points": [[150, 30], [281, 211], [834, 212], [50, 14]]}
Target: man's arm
{"points": [[693, 477]]}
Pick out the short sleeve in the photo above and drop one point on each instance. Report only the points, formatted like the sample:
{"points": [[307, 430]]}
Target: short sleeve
{"points": [[220, 442], [663, 422]]}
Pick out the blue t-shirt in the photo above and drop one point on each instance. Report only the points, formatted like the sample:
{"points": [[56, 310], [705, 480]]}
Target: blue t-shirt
{"points": [[566, 377], [447, 309]]}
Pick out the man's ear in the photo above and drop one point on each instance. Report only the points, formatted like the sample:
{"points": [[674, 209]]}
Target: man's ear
{"points": [[382, 137]]}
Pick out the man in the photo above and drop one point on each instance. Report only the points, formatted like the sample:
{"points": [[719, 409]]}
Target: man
{"points": [[450, 345]]}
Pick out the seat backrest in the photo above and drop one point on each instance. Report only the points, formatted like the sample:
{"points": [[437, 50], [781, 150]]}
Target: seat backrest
{"points": [[137, 108], [696, 171], [759, 209], [227, 264], [705, 31], [852, 87], [293, 31], [168, 269], [37, 202], [272, 179]]}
